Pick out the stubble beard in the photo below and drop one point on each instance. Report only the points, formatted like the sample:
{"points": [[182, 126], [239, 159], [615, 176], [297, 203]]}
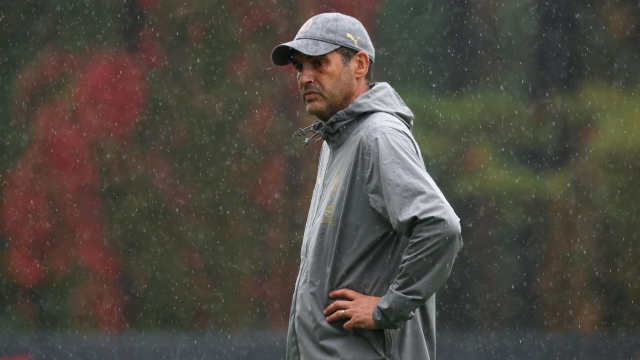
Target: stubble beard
{"points": [[335, 99]]}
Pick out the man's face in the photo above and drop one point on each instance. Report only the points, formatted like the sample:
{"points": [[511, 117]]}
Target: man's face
{"points": [[326, 85]]}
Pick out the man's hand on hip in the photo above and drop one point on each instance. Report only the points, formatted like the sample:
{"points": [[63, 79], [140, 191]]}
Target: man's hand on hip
{"points": [[355, 307]]}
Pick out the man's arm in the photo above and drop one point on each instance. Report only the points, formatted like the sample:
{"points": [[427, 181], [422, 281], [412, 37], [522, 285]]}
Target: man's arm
{"points": [[401, 190]]}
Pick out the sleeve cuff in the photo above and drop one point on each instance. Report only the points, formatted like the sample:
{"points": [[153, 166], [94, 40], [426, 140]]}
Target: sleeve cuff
{"points": [[386, 316]]}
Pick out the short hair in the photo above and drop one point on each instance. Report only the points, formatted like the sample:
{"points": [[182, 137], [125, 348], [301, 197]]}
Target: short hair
{"points": [[348, 54]]}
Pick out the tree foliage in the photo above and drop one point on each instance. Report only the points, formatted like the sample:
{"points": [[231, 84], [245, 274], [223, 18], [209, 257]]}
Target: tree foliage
{"points": [[150, 180]]}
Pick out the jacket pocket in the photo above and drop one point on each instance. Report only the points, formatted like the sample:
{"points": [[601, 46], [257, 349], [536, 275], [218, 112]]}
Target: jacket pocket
{"points": [[377, 340], [390, 345]]}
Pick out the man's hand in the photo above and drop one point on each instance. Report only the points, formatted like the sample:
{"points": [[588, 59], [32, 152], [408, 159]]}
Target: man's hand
{"points": [[357, 308]]}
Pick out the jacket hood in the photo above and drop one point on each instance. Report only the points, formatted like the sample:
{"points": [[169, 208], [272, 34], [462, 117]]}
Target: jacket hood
{"points": [[381, 97]]}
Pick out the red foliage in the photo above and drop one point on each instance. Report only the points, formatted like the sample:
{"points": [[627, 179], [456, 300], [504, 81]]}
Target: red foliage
{"points": [[72, 161], [24, 266], [239, 68], [179, 196], [363, 10], [28, 79], [110, 315], [68, 150], [60, 154], [148, 5], [111, 96], [277, 292], [102, 301], [71, 211], [286, 75], [159, 170], [251, 18], [53, 64], [267, 192], [59, 259], [190, 258], [16, 357], [251, 288], [259, 124], [475, 157], [196, 31], [49, 67], [27, 220], [151, 54], [25, 210], [55, 183], [92, 251], [49, 118]]}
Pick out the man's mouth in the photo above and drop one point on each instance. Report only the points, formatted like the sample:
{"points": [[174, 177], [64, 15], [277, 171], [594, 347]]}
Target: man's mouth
{"points": [[310, 95]]}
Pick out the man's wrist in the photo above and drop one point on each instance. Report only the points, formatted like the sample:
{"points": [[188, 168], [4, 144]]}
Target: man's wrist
{"points": [[376, 316]]}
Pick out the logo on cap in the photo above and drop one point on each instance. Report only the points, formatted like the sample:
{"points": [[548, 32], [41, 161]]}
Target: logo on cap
{"points": [[355, 41], [305, 27]]}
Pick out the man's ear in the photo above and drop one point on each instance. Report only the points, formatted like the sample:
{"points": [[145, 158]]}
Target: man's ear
{"points": [[360, 64]]}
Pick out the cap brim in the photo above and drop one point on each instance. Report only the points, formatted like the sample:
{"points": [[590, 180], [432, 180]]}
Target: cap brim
{"points": [[281, 54]]}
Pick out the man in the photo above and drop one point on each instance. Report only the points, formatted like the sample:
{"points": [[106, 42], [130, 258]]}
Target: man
{"points": [[380, 237]]}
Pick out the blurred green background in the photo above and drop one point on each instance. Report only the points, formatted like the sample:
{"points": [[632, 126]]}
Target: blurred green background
{"points": [[150, 179]]}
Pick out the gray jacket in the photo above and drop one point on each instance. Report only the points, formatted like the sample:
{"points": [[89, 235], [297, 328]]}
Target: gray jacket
{"points": [[379, 225]]}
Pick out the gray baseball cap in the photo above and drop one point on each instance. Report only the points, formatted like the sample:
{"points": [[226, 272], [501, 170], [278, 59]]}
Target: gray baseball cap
{"points": [[323, 34]]}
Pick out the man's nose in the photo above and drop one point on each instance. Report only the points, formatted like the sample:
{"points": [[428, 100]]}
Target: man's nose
{"points": [[306, 76]]}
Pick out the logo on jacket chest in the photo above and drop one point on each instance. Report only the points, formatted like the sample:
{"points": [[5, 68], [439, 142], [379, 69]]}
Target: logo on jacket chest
{"points": [[328, 215]]}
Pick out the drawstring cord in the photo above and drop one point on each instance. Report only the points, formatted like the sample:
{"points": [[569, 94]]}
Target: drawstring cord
{"points": [[317, 129]]}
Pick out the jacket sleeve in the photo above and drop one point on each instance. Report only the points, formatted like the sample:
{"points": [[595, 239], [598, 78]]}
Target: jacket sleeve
{"points": [[400, 189]]}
